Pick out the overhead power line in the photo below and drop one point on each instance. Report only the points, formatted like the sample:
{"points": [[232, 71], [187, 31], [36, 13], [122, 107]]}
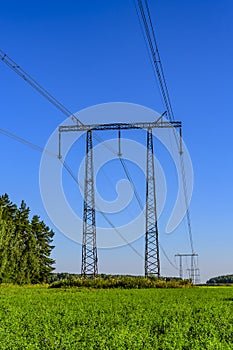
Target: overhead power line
{"points": [[70, 172], [31, 81], [25, 142], [148, 32], [143, 209], [153, 47]]}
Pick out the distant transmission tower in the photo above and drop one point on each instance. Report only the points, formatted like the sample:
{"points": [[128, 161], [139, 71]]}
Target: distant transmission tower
{"points": [[89, 250], [194, 273], [152, 264]]}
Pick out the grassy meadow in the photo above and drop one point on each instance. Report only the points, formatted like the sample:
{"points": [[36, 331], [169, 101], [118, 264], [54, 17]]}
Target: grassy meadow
{"points": [[81, 318]]}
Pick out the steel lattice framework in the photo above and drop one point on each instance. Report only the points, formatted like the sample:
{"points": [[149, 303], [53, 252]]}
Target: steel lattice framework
{"points": [[152, 263], [89, 249], [194, 273]]}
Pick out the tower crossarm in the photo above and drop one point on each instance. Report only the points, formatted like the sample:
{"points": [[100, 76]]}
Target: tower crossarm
{"points": [[122, 126], [193, 254]]}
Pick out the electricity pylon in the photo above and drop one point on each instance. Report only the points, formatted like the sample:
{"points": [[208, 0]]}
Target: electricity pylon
{"points": [[89, 249], [193, 271]]}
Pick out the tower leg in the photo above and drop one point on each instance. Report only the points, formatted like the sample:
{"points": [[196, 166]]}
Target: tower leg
{"points": [[192, 272], [152, 263], [181, 267], [89, 250]]}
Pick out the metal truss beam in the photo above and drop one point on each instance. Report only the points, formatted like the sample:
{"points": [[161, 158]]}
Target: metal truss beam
{"points": [[122, 126]]}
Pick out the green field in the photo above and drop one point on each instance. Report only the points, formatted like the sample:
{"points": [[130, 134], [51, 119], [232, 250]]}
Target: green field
{"points": [[41, 318]]}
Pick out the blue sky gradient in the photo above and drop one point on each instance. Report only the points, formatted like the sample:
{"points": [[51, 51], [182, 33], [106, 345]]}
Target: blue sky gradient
{"points": [[86, 53]]}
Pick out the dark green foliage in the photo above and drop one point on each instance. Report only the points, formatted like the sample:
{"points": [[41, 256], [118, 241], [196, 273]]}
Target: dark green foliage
{"points": [[227, 279], [43, 237], [25, 245], [59, 276], [124, 282]]}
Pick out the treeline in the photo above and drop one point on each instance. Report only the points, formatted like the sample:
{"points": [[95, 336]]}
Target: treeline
{"points": [[25, 245], [124, 282], [59, 276], [227, 279]]}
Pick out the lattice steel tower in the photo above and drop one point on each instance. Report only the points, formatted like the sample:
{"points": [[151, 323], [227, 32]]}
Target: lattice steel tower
{"points": [[89, 250], [152, 264]]}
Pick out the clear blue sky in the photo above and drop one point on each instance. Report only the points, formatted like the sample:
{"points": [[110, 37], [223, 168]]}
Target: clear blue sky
{"points": [[93, 52]]}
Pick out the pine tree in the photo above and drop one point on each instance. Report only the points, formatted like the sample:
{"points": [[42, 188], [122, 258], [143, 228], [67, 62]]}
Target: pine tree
{"points": [[6, 237], [25, 246], [43, 235], [8, 208], [22, 232]]}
